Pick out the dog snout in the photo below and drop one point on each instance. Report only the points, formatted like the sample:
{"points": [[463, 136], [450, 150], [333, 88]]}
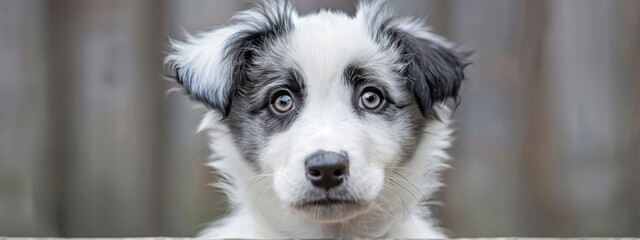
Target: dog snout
{"points": [[327, 169]]}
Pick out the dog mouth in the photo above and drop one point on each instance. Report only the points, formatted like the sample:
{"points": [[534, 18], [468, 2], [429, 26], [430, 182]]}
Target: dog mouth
{"points": [[331, 209], [327, 202]]}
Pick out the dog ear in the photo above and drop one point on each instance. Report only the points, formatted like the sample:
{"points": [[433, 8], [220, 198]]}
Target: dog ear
{"points": [[432, 67], [211, 65]]}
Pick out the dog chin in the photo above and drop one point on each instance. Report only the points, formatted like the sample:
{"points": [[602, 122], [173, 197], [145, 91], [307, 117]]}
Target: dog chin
{"points": [[331, 210]]}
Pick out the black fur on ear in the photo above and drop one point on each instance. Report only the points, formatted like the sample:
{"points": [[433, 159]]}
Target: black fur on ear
{"points": [[433, 69], [211, 65], [275, 22], [433, 72]]}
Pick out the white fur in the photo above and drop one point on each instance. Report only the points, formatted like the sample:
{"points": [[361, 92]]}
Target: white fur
{"points": [[253, 217], [322, 46]]}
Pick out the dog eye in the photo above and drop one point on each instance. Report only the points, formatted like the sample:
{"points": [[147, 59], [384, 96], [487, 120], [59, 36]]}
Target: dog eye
{"points": [[283, 103], [370, 99]]}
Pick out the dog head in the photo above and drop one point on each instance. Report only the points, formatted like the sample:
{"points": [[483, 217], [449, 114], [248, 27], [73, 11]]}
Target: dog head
{"points": [[327, 103]]}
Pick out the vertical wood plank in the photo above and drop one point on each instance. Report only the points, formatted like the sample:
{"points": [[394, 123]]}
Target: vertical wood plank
{"points": [[584, 76], [629, 50], [24, 120], [489, 122], [548, 212], [113, 165]]}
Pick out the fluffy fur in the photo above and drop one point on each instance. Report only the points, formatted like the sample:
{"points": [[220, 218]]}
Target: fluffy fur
{"points": [[324, 62]]}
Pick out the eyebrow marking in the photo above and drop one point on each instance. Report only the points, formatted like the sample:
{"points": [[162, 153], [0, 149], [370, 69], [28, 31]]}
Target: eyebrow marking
{"points": [[354, 74]]}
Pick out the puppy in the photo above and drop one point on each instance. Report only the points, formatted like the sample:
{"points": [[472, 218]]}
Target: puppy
{"points": [[323, 125]]}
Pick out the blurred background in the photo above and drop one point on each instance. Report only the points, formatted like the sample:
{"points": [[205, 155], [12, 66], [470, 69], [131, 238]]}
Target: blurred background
{"points": [[91, 145]]}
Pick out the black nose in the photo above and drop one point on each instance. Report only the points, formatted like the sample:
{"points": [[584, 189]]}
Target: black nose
{"points": [[327, 169]]}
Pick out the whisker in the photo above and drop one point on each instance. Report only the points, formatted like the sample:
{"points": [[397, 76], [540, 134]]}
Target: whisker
{"points": [[199, 152], [404, 207], [405, 188], [417, 172], [253, 182], [424, 198], [448, 138], [253, 206], [213, 140]]}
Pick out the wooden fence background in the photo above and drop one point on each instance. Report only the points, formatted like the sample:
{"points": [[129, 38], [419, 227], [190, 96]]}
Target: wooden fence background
{"points": [[91, 145]]}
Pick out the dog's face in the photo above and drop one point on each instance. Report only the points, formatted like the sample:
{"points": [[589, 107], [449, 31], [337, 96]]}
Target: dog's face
{"points": [[326, 103]]}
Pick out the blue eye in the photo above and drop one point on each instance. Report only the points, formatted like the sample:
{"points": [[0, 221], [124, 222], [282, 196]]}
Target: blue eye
{"points": [[370, 99], [283, 103]]}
